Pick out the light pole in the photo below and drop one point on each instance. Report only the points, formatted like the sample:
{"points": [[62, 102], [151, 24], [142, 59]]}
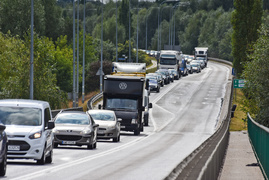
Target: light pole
{"points": [[77, 55], [32, 53], [83, 71], [74, 61], [101, 69], [116, 31], [129, 31]]}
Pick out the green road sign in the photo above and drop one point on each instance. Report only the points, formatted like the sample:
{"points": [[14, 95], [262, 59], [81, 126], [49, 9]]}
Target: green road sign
{"points": [[239, 83]]}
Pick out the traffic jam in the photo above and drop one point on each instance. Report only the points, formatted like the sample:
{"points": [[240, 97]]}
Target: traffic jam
{"points": [[30, 132]]}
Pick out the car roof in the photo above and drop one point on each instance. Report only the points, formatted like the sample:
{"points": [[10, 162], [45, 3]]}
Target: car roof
{"points": [[72, 112], [24, 103], [99, 110]]}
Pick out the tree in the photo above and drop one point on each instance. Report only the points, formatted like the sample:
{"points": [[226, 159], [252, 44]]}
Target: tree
{"points": [[246, 20], [16, 16], [53, 19], [256, 74], [124, 17]]}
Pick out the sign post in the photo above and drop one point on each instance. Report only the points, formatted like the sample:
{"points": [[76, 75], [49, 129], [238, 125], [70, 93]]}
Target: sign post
{"points": [[238, 83]]}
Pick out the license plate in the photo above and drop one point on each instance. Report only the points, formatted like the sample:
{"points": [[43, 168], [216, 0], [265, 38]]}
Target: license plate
{"points": [[13, 148], [68, 142], [101, 132], [122, 126]]}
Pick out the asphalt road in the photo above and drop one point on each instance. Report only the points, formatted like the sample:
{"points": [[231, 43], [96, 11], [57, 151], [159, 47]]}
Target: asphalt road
{"points": [[184, 114]]}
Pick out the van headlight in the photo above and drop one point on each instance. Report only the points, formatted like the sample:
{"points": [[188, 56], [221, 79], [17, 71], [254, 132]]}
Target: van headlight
{"points": [[134, 121], [36, 135]]}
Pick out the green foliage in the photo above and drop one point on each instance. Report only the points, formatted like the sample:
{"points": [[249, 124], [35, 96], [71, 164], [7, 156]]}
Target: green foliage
{"points": [[124, 16], [256, 74], [15, 70], [246, 20], [92, 81]]}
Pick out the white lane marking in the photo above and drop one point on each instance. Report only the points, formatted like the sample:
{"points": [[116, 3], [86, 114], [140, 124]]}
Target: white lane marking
{"points": [[52, 169]]}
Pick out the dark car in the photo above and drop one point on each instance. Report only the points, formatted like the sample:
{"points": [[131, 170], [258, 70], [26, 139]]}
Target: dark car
{"points": [[166, 73], [159, 77], [75, 128], [3, 150], [175, 73]]}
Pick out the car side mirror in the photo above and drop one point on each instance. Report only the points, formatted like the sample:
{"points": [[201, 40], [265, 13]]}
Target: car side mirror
{"points": [[150, 105], [119, 119], [99, 106]]}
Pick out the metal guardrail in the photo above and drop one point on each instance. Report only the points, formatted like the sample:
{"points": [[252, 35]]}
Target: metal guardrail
{"points": [[93, 100], [258, 137], [206, 161], [221, 61]]}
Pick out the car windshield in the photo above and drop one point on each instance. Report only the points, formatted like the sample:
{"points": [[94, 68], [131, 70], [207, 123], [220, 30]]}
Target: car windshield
{"points": [[103, 116], [22, 116], [69, 118], [121, 103], [194, 64]]}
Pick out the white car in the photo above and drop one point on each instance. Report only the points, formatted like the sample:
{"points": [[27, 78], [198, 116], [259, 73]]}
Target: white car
{"points": [[109, 125], [28, 128]]}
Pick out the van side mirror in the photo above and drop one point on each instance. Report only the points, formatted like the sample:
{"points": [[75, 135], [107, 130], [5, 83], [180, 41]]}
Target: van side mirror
{"points": [[150, 105], [99, 106], [51, 124], [147, 84]]}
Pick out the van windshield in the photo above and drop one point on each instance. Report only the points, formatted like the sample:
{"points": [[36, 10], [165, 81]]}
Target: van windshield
{"points": [[23, 116]]}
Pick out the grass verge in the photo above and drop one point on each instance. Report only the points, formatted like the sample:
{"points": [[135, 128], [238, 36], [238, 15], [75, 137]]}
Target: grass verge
{"points": [[237, 122]]}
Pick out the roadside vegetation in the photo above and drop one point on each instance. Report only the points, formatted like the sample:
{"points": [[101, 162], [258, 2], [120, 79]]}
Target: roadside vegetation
{"points": [[238, 122], [201, 23]]}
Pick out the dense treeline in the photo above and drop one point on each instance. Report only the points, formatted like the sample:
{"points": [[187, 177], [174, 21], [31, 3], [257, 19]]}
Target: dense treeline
{"points": [[201, 23]]}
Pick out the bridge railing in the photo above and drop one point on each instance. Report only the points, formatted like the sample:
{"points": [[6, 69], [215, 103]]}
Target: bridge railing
{"points": [[258, 137]]}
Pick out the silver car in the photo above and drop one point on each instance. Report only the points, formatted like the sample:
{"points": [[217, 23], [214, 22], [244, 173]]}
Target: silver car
{"points": [[109, 125], [75, 128]]}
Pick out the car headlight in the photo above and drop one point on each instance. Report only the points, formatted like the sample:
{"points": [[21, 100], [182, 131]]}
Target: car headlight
{"points": [[55, 130], [86, 131], [110, 127], [36, 135]]}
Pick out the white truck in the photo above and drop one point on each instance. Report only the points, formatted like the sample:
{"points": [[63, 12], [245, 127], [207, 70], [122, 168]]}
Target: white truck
{"points": [[201, 53], [170, 59]]}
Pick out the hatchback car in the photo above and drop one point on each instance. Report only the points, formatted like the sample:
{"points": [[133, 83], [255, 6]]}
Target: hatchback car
{"points": [[75, 128], [196, 67], [153, 83], [109, 125]]}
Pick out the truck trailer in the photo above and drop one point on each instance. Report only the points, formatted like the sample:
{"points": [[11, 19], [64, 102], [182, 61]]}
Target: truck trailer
{"points": [[201, 52]]}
